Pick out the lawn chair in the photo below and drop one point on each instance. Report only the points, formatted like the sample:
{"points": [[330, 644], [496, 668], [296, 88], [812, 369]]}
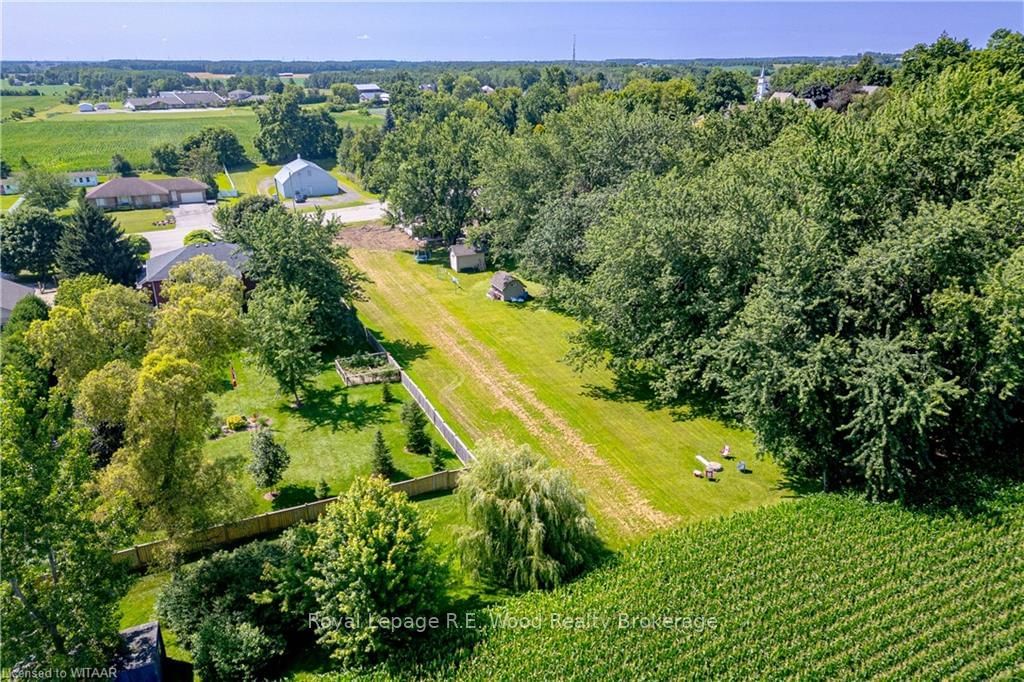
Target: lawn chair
{"points": [[741, 466]]}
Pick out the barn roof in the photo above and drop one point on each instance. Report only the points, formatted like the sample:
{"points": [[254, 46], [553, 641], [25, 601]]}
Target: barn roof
{"points": [[293, 167]]}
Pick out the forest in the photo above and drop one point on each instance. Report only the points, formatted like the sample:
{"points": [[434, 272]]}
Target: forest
{"points": [[846, 281]]}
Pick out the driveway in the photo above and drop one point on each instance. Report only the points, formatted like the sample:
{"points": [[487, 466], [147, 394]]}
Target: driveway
{"points": [[186, 218], [357, 214]]}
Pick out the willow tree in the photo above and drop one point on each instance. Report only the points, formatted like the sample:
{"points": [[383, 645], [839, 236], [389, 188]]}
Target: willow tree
{"points": [[527, 523]]}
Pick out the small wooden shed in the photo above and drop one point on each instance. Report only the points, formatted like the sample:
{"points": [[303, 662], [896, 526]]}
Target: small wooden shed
{"points": [[466, 258], [505, 287]]}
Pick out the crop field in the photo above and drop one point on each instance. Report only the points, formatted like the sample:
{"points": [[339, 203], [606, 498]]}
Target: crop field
{"points": [[497, 369], [825, 588], [72, 141]]}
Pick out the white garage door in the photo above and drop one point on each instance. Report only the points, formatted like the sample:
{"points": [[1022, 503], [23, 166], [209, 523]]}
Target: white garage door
{"points": [[192, 197]]}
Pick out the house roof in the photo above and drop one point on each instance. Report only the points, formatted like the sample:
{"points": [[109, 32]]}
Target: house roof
{"points": [[158, 268], [502, 279], [464, 250], [239, 94], [124, 187], [141, 647], [12, 292], [293, 167], [83, 174], [134, 187], [367, 87]]}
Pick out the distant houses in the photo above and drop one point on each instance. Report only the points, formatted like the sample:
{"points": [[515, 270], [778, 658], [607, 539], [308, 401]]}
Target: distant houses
{"points": [[11, 185], [466, 258], [301, 178], [176, 99], [245, 97], [370, 92], [158, 268], [788, 97], [138, 193]]}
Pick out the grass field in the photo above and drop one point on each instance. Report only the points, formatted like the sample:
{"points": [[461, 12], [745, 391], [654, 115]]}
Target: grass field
{"points": [[495, 368], [329, 437], [141, 220], [8, 200], [71, 141], [827, 588], [50, 96]]}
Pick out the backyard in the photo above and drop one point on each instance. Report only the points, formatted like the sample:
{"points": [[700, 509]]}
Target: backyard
{"points": [[494, 368]]}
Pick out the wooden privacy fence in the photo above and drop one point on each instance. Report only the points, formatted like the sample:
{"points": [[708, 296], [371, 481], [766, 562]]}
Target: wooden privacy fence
{"points": [[464, 454], [141, 556]]}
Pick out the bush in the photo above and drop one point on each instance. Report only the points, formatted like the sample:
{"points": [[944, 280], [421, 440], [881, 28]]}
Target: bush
{"points": [[140, 245], [372, 560], [236, 422], [24, 312], [385, 393], [211, 605], [528, 525], [226, 650], [214, 429], [199, 237], [416, 438], [322, 490]]}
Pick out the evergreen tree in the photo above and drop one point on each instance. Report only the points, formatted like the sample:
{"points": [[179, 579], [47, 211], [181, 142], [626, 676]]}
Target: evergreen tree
{"points": [[416, 438], [322, 489], [389, 121], [383, 464], [93, 244], [385, 393], [437, 456]]}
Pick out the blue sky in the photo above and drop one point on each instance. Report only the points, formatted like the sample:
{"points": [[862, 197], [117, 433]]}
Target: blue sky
{"points": [[480, 31]]}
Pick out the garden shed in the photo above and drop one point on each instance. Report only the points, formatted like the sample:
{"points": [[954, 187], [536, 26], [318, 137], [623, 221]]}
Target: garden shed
{"points": [[142, 654], [505, 287], [466, 258]]}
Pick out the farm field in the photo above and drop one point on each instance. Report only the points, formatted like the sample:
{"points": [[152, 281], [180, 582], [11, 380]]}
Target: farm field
{"points": [[497, 369], [828, 587], [77, 142], [329, 437]]}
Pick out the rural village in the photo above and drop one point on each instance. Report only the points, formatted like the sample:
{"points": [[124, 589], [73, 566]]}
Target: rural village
{"points": [[621, 369]]}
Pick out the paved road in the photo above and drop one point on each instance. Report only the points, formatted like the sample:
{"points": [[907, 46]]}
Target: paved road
{"points": [[187, 218]]}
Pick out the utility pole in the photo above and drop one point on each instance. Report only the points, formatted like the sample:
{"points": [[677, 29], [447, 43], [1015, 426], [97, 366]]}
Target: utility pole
{"points": [[574, 50]]}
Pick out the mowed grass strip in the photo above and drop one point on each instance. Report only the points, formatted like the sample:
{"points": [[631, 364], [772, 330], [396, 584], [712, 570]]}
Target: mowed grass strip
{"points": [[75, 141], [497, 369]]}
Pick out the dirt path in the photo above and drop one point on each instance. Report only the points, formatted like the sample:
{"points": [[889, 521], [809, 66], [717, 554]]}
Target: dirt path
{"points": [[616, 500]]}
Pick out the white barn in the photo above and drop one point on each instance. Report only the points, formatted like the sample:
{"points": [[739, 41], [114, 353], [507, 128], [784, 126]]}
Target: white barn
{"points": [[304, 178]]}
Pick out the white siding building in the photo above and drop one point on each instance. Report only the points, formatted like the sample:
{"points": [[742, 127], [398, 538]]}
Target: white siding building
{"points": [[305, 178]]}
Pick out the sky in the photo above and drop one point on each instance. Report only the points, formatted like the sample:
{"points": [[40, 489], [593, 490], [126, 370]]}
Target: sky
{"points": [[486, 31]]}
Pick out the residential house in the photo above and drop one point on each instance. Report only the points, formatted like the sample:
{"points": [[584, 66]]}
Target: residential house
{"points": [[158, 268], [302, 178], [138, 193], [141, 656], [466, 258], [789, 97], [368, 92], [175, 99], [505, 287], [84, 179], [10, 293]]}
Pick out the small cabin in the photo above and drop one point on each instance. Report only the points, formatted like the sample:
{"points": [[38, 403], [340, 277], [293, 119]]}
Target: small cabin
{"points": [[505, 287], [466, 258]]}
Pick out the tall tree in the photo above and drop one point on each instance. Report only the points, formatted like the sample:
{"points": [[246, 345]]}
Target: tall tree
{"points": [[166, 158], [44, 189], [269, 459], [527, 523], [286, 130], [282, 338], [93, 243], [227, 150], [29, 239], [416, 438]]}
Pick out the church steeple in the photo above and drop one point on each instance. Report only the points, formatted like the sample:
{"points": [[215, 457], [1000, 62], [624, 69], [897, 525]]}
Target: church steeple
{"points": [[762, 86]]}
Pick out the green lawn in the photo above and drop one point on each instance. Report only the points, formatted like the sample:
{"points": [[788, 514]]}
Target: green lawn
{"points": [[329, 437], [141, 219], [8, 200], [495, 368], [72, 141]]}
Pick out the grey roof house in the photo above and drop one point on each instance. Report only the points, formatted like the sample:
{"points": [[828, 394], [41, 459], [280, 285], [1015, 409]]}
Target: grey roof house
{"points": [[130, 192], [175, 99], [158, 268]]}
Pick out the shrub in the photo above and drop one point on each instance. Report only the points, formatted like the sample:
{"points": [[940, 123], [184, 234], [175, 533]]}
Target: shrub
{"points": [[371, 560], [383, 464], [214, 429], [269, 459], [385, 393], [140, 245], [416, 438], [236, 422], [437, 457], [227, 650], [199, 237], [528, 525], [211, 605], [24, 312], [322, 490]]}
